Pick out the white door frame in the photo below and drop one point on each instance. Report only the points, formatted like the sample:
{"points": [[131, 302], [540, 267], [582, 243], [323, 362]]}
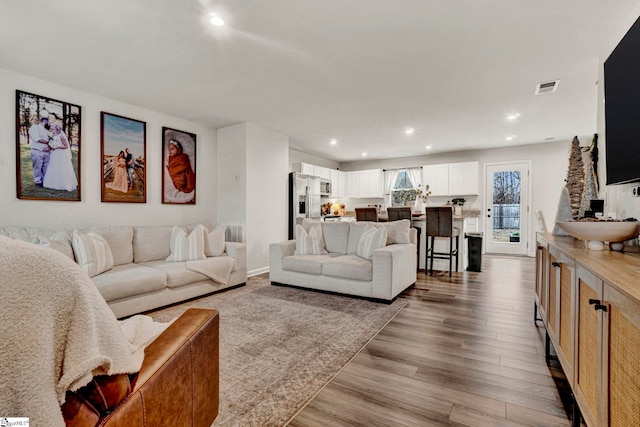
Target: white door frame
{"points": [[486, 202]]}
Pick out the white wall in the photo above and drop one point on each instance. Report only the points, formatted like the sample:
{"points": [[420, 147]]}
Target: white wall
{"points": [[91, 211], [260, 201]]}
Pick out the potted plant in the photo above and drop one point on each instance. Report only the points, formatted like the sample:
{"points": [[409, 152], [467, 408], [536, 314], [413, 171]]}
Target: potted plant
{"points": [[457, 203]]}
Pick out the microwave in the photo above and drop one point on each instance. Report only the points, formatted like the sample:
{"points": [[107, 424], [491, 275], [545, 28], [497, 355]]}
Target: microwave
{"points": [[325, 187]]}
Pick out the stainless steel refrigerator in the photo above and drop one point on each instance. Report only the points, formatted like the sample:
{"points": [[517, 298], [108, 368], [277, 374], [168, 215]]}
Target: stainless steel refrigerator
{"points": [[304, 199]]}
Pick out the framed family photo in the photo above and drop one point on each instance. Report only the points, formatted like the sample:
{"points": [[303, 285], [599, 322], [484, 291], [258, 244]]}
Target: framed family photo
{"points": [[47, 148], [179, 167], [123, 152]]}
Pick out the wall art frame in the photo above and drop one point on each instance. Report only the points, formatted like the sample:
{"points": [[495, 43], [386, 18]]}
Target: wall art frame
{"points": [[178, 167], [123, 143], [48, 148]]}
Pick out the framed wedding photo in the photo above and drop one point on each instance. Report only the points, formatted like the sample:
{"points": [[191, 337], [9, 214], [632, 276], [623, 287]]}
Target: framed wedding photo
{"points": [[47, 148], [179, 167], [123, 152]]}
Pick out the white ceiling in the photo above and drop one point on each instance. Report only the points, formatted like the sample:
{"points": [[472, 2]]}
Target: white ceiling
{"points": [[358, 71]]}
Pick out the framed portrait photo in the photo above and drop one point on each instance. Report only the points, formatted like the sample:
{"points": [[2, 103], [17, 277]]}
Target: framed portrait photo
{"points": [[179, 167], [123, 152], [47, 148]]}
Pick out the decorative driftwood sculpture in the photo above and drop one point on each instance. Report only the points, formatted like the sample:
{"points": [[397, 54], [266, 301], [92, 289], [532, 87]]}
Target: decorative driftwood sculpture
{"points": [[575, 177]]}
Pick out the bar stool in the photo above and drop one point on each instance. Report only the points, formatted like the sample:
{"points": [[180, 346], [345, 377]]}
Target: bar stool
{"points": [[367, 214], [440, 224], [397, 214]]}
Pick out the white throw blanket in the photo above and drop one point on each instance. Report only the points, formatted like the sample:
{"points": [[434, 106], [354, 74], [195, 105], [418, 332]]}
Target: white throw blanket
{"points": [[217, 268], [56, 333]]}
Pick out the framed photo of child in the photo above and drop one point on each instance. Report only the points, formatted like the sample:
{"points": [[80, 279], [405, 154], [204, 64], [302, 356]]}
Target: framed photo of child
{"points": [[123, 146], [179, 167], [47, 148]]}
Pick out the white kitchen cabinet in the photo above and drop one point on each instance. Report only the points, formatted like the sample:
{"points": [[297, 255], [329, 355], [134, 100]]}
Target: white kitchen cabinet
{"points": [[353, 184], [371, 183], [322, 172], [342, 184], [304, 168], [335, 183], [464, 178], [437, 178], [452, 179]]}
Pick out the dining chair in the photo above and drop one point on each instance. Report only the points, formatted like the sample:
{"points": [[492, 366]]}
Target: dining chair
{"points": [[439, 223], [367, 214]]}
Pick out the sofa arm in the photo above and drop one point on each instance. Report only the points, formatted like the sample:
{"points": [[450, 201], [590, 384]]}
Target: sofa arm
{"points": [[278, 251], [178, 383], [394, 269], [238, 251]]}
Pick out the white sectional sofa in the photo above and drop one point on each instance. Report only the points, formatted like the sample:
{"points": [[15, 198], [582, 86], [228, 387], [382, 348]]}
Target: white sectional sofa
{"points": [[141, 279], [390, 270]]}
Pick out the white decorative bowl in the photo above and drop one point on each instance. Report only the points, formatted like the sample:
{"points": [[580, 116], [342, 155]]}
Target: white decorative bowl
{"points": [[596, 232]]}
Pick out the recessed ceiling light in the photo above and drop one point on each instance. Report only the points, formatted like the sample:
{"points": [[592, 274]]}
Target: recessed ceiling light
{"points": [[511, 137], [513, 116], [364, 154], [333, 141], [216, 21], [428, 147], [409, 131]]}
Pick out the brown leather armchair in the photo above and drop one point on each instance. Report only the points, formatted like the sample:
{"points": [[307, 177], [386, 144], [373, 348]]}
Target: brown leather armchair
{"points": [[177, 385]]}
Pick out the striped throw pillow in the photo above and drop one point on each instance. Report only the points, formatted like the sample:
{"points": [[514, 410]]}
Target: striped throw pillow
{"points": [[92, 252], [187, 246], [309, 243], [373, 238]]}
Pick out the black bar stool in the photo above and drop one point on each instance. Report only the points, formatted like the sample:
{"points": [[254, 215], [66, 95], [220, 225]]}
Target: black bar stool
{"points": [[440, 224], [367, 214], [396, 214]]}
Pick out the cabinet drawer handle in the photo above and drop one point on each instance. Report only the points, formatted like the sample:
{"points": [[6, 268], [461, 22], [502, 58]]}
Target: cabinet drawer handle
{"points": [[555, 264], [593, 301], [600, 307]]}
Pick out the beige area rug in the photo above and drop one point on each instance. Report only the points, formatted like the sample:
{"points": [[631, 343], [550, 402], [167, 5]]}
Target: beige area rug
{"points": [[279, 346]]}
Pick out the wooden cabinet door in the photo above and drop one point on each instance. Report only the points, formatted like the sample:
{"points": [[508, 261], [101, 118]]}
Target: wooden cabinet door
{"points": [[566, 310], [621, 360], [306, 169], [542, 260], [588, 345], [471, 178], [456, 179], [353, 184], [342, 184], [335, 182], [553, 289]]}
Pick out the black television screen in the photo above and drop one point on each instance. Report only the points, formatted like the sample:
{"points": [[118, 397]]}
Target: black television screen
{"points": [[622, 109]]}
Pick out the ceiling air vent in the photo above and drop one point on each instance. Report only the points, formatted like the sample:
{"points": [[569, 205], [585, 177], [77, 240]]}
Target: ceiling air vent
{"points": [[547, 87]]}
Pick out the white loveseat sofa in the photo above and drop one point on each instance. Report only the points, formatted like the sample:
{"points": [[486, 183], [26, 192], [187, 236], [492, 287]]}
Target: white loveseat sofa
{"points": [[390, 270], [141, 279]]}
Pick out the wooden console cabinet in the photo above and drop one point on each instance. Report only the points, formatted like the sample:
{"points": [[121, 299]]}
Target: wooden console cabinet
{"points": [[589, 302]]}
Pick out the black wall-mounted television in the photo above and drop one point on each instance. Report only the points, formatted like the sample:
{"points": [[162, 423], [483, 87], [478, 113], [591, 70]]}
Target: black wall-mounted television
{"points": [[622, 109]]}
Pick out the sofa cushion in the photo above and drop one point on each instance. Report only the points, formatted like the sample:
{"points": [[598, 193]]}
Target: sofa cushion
{"points": [[92, 252], [129, 280], [373, 238], [57, 241], [309, 264], [151, 242], [309, 243], [120, 240], [336, 236], [349, 267], [177, 273], [36, 234], [187, 246]]}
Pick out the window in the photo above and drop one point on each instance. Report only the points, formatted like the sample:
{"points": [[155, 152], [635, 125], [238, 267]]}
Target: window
{"points": [[402, 189]]}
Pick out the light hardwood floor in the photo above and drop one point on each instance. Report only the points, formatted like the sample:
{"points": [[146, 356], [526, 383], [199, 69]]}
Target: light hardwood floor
{"points": [[464, 351]]}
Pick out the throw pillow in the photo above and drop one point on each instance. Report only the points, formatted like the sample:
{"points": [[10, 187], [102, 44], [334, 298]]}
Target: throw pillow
{"points": [[309, 243], [92, 252], [50, 242], [373, 238], [187, 247], [214, 241], [398, 231]]}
